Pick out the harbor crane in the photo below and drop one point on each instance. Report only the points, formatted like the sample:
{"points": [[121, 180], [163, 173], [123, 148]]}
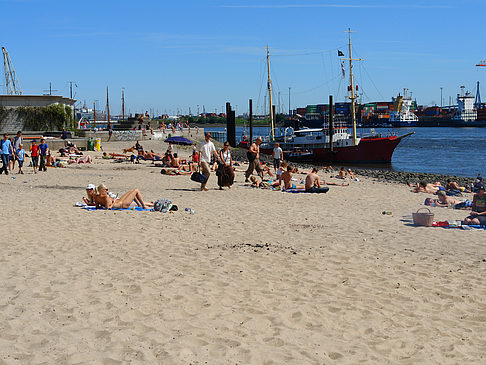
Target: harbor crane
{"points": [[11, 82]]}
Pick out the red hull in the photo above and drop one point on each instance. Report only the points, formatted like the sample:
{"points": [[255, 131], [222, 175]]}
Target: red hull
{"points": [[368, 151]]}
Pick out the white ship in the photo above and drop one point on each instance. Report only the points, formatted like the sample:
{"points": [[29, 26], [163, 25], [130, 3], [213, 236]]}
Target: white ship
{"points": [[465, 107], [401, 116]]}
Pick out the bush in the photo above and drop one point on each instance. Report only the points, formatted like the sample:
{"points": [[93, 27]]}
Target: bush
{"points": [[52, 117]]}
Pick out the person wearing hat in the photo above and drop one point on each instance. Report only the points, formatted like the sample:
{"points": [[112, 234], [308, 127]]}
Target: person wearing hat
{"points": [[90, 192], [478, 214]]}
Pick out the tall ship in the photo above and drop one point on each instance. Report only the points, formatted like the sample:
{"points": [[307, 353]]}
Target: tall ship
{"points": [[401, 115], [332, 143]]}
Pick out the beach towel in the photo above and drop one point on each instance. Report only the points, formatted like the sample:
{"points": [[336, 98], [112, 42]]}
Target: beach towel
{"points": [[457, 225], [137, 209], [324, 190]]}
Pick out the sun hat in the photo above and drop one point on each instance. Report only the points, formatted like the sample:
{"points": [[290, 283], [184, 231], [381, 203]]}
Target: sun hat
{"points": [[90, 186]]}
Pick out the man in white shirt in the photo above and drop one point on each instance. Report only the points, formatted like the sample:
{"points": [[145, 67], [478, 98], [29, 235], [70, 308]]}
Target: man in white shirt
{"points": [[206, 150]]}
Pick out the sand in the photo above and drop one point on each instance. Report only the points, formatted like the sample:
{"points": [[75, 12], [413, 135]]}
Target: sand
{"points": [[253, 277]]}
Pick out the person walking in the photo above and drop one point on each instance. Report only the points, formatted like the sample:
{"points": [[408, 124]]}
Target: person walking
{"points": [[43, 149], [225, 172], [34, 155], [20, 157], [254, 160], [5, 149], [17, 141], [206, 150]]}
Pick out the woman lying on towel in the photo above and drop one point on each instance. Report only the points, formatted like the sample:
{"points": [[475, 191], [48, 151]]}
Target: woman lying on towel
{"points": [[103, 200]]}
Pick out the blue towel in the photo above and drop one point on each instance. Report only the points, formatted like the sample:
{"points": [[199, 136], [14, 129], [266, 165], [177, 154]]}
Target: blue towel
{"points": [[138, 209], [470, 227]]}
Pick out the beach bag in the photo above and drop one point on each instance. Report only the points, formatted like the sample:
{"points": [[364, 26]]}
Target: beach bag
{"points": [[251, 156], [198, 177], [163, 205], [423, 218]]}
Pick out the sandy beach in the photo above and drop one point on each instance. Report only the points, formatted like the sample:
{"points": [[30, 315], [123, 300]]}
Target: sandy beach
{"points": [[253, 277]]}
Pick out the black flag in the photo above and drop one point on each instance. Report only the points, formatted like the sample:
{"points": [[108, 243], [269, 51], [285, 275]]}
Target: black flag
{"points": [[340, 53]]}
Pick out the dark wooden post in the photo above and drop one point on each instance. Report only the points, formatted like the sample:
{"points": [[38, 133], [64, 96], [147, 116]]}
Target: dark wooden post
{"points": [[230, 125], [331, 125], [251, 121]]}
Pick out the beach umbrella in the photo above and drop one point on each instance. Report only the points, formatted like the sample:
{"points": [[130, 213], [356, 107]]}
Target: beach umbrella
{"points": [[179, 140]]}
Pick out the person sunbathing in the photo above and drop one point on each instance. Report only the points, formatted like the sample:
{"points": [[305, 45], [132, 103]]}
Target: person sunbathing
{"points": [[84, 159], [423, 187], [118, 155], [452, 185], [129, 150], [351, 175], [166, 160], [286, 177], [342, 173], [256, 183], [90, 192], [312, 183], [176, 161], [175, 172], [266, 169], [103, 200], [478, 213], [150, 155], [445, 201]]}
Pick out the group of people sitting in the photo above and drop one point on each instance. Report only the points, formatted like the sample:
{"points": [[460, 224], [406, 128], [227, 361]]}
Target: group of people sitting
{"points": [[100, 197], [445, 198], [70, 149], [311, 184]]}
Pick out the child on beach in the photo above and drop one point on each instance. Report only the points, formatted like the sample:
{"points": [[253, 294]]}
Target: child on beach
{"points": [[34, 155], [21, 157]]}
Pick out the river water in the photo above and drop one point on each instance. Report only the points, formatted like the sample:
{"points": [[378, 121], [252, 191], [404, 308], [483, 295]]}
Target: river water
{"points": [[449, 151]]}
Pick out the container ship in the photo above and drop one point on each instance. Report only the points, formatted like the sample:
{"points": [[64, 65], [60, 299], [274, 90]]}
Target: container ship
{"points": [[470, 112]]}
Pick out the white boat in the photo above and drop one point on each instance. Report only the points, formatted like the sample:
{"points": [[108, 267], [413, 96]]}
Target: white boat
{"points": [[401, 116]]}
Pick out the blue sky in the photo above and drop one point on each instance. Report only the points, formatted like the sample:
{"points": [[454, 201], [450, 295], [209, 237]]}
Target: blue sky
{"points": [[172, 55]]}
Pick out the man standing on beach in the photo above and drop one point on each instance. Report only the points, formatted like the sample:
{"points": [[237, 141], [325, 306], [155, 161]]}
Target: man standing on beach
{"points": [[43, 149], [5, 147], [206, 150], [277, 155], [254, 160]]}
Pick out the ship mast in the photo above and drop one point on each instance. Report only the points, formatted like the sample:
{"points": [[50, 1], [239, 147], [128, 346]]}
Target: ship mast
{"points": [[108, 108], [353, 97], [123, 103], [270, 96]]}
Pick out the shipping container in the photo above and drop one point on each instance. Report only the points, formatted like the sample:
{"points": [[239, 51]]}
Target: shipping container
{"points": [[302, 111]]}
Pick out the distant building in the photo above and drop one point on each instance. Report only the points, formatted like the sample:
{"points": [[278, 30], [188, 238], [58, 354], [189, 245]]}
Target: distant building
{"points": [[12, 122]]}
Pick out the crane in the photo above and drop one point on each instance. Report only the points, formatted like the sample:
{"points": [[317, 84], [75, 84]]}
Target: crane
{"points": [[11, 82]]}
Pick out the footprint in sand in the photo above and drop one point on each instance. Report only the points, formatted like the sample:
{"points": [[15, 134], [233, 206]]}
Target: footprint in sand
{"points": [[334, 355]]}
